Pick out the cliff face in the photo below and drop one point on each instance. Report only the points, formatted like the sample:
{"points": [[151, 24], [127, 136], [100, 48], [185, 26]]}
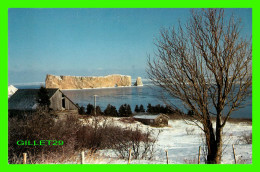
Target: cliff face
{"points": [[138, 82], [76, 82]]}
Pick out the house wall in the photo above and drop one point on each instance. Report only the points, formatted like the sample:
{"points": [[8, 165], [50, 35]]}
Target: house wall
{"points": [[145, 121], [69, 105], [56, 102]]}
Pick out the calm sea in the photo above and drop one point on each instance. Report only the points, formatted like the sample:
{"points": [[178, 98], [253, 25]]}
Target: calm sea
{"points": [[133, 96]]}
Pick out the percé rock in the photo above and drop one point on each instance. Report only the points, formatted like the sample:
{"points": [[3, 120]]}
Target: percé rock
{"points": [[78, 82], [138, 82]]}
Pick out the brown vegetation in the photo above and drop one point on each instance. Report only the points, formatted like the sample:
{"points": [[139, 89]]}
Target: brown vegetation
{"points": [[245, 138], [97, 132]]}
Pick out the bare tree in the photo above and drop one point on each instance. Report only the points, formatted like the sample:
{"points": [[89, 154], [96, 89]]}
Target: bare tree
{"points": [[206, 64]]}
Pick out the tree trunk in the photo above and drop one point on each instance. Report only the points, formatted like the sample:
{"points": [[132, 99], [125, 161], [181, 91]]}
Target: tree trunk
{"points": [[218, 137], [214, 144], [219, 145], [214, 153]]}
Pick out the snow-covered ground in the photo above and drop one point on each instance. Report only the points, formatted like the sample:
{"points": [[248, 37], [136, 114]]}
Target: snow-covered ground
{"points": [[182, 142], [11, 90]]}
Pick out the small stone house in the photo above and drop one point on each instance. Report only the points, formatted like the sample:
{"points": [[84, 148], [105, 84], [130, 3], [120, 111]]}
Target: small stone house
{"points": [[26, 100], [154, 120]]}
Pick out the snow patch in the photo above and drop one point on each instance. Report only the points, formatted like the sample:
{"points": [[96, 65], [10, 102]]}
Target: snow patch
{"points": [[183, 147], [11, 90]]}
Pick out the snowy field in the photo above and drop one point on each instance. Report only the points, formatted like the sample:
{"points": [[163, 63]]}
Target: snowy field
{"points": [[182, 142]]}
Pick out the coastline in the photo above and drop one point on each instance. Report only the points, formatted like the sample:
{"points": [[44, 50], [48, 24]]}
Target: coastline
{"points": [[100, 88]]}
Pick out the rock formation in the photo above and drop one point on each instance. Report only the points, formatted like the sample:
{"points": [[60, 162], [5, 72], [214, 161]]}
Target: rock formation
{"points": [[77, 82], [138, 82]]}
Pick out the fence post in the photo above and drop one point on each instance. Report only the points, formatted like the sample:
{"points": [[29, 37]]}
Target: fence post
{"points": [[129, 156], [199, 155], [234, 154], [24, 158], [82, 157], [167, 159]]}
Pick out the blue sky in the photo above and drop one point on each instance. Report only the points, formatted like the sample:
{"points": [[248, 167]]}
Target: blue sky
{"points": [[89, 42]]}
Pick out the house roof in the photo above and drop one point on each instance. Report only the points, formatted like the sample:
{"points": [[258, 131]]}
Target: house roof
{"points": [[143, 116], [26, 99]]}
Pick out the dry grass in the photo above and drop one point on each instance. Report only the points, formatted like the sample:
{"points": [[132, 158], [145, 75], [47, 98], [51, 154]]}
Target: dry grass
{"points": [[127, 120], [236, 120], [95, 133], [178, 116], [42, 126], [93, 157], [245, 138], [190, 131], [242, 160], [191, 160]]}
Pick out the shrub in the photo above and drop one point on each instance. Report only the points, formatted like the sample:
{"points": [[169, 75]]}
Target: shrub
{"points": [[127, 120], [193, 160], [100, 133], [41, 126], [141, 143], [246, 138], [242, 160], [97, 133], [190, 131], [91, 135]]}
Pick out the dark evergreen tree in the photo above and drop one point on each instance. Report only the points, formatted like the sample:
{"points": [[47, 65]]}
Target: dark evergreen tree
{"points": [[149, 108], [125, 110], [163, 109], [137, 109], [98, 111], [90, 109], [82, 110], [110, 111], [141, 109], [190, 113], [157, 109], [128, 110], [169, 110], [122, 110], [107, 111], [113, 111], [43, 98]]}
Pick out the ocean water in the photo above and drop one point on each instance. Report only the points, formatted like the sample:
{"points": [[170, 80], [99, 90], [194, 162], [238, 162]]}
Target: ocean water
{"points": [[133, 96], [118, 96]]}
